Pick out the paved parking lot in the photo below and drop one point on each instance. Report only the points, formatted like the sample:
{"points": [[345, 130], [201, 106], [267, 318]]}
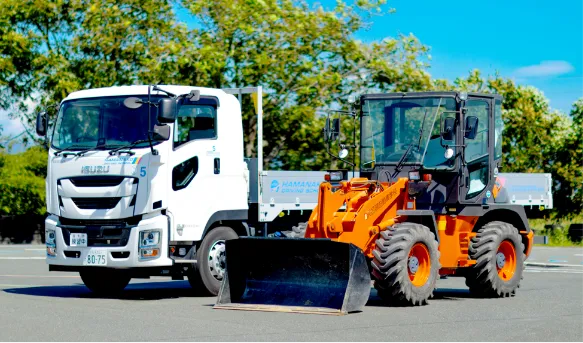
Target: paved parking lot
{"points": [[38, 305]]}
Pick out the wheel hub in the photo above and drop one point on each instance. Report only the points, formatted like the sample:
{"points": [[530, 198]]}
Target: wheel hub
{"points": [[413, 264], [500, 260], [217, 260]]}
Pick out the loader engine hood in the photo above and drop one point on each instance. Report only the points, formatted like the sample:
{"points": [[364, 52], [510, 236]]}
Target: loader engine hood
{"points": [[100, 185]]}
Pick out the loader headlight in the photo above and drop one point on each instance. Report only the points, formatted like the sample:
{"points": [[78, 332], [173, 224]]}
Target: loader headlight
{"points": [[51, 242], [414, 176], [334, 176]]}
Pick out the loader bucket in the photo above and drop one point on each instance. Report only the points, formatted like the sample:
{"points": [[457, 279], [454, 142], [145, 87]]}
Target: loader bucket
{"points": [[294, 275]]}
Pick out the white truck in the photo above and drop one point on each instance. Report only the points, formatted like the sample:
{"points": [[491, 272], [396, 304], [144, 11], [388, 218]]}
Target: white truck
{"points": [[151, 180]]}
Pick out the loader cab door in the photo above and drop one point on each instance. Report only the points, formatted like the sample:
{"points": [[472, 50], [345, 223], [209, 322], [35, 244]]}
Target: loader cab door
{"points": [[477, 166]]}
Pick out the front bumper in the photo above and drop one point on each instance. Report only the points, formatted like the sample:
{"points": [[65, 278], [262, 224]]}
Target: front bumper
{"points": [[77, 255]]}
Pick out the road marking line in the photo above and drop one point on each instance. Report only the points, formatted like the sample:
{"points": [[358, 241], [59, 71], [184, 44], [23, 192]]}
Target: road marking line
{"points": [[21, 258], [41, 276], [10, 285], [577, 254], [538, 264]]}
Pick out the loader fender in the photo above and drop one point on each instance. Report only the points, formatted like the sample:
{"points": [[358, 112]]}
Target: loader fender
{"points": [[423, 217], [511, 214]]}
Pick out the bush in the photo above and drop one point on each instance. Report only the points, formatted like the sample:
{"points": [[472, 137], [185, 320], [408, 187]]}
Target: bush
{"points": [[22, 182]]}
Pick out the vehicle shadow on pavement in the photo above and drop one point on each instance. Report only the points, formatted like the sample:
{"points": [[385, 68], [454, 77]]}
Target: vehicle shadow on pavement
{"points": [[134, 291], [438, 294]]}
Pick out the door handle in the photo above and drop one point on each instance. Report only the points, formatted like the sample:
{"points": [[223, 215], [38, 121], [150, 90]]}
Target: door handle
{"points": [[217, 165]]}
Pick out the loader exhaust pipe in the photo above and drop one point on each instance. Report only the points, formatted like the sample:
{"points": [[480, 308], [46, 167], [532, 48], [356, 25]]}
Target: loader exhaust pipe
{"points": [[294, 275]]}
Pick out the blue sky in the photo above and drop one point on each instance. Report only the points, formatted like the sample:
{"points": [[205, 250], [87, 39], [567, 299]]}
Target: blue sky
{"points": [[538, 43]]}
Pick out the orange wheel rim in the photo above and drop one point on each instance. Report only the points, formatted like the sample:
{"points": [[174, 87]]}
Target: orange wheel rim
{"points": [[506, 260], [419, 265]]}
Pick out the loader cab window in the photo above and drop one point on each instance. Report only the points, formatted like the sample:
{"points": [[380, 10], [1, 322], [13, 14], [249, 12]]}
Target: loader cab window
{"points": [[476, 151], [195, 122], [389, 126], [498, 130]]}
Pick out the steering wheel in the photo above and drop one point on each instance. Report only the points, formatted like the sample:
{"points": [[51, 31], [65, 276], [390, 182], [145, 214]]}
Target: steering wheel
{"points": [[84, 139]]}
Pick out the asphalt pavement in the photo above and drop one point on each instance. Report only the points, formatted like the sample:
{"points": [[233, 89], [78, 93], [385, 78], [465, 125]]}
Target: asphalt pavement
{"points": [[36, 305]]}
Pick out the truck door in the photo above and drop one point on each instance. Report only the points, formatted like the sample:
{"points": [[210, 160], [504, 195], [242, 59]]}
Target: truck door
{"points": [[194, 167], [476, 177]]}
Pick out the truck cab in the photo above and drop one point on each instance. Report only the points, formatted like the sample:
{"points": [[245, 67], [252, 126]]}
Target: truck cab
{"points": [[138, 177]]}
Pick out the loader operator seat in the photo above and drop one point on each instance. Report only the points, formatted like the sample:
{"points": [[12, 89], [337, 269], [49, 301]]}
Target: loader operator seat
{"points": [[204, 127]]}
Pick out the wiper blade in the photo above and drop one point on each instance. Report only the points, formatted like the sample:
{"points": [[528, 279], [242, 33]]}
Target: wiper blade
{"points": [[69, 148], [82, 152], [129, 146], [418, 145]]}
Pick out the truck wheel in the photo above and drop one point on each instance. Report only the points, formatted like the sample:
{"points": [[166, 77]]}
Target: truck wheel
{"points": [[105, 282], [406, 264], [499, 255], [207, 274]]}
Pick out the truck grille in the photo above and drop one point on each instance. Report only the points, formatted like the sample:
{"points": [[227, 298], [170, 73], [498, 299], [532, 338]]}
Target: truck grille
{"points": [[100, 236], [100, 233], [97, 181], [96, 203], [131, 221]]}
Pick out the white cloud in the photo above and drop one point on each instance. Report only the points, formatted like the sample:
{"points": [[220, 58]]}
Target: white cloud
{"points": [[10, 127], [545, 68]]}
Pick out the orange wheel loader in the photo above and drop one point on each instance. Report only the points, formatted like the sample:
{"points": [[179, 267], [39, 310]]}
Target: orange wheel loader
{"points": [[426, 203]]}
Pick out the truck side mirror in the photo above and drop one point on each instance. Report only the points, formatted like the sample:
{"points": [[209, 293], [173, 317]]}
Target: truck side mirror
{"points": [[335, 132], [41, 123], [448, 128], [166, 110], [471, 127], [161, 132]]}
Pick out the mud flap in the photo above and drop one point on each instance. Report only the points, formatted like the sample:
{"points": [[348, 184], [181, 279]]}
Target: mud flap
{"points": [[294, 275]]}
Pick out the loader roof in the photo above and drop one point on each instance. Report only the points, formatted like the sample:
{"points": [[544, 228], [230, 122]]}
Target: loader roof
{"points": [[426, 94]]}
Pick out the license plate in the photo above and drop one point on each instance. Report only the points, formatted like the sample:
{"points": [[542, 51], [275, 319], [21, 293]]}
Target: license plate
{"points": [[78, 240], [96, 257]]}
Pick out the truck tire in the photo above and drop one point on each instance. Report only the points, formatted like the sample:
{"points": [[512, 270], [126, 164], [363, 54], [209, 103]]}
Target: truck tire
{"points": [[207, 273], [406, 264], [499, 254], [107, 282]]}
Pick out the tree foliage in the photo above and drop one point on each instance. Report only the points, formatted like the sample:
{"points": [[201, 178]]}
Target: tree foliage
{"points": [[305, 56], [22, 181]]}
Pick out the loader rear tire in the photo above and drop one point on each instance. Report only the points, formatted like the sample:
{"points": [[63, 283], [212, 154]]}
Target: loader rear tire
{"points": [[205, 275], [499, 254], [406, 264]]}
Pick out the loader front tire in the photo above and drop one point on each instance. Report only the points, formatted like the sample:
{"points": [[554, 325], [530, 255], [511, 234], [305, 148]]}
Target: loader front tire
{"points": [[206, 275], [406, 264], [499, 254]]}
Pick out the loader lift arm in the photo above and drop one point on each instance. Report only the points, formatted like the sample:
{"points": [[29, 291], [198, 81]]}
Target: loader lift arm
{"points": [[370, 207]]}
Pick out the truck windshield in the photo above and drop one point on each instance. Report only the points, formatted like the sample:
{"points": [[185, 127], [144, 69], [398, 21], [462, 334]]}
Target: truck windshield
{"points": [[104, 122], [389, 126]]}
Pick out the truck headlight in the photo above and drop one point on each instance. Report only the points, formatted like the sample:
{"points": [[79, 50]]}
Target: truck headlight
{"points": [[150, 244], [51, 242]]}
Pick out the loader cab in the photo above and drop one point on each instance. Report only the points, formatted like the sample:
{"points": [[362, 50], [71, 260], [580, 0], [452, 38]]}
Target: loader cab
{"points": [[454, 137]]}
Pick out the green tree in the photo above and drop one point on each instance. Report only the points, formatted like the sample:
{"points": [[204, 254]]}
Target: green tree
{"points": [[306, 58], [22, 181], [49, 49]]}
